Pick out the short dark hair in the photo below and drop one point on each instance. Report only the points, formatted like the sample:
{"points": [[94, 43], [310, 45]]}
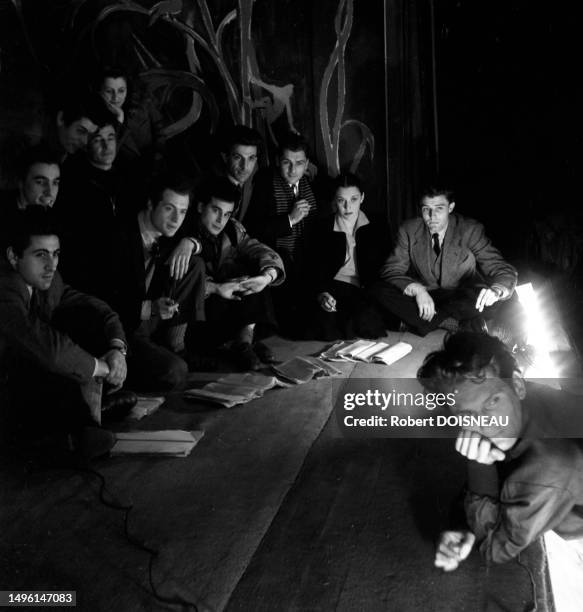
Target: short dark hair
{"points": [[346, 179], [466, 356], [435, 190], [220, 188], [38, 154], [111, 121], [92, 107], [109, 72], [34, 220], [240, 135], [293, 142], [174, 182]]}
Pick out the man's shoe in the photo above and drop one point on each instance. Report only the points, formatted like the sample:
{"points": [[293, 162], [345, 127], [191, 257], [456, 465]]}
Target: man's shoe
{"points": [[243, 356], [197, 362], [116, 406], [450, 324], [264, 353], [93, 442]]}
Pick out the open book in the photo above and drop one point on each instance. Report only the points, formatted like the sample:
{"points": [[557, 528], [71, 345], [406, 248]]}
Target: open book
{"points": [[369, 351], [173, 443], [235, 389], [300, 370]]}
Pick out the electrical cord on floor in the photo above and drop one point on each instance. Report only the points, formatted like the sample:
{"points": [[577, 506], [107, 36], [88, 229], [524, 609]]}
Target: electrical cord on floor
{"points": [[116, 505]]}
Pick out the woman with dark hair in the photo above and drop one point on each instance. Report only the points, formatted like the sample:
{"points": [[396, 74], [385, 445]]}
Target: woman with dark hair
{"points": [[112, 86], [350, 250], [140, 121]]}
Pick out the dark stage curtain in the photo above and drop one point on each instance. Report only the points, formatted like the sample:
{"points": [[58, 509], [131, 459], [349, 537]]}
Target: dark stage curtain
{"points": [[411, 125]]}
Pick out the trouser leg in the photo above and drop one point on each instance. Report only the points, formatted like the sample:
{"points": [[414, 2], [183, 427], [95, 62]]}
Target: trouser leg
{"points": [[153, 367], [224, 319], [396, 303]]}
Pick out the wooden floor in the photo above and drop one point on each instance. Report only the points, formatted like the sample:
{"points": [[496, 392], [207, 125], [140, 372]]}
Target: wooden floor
{"points": [[275, 509]]}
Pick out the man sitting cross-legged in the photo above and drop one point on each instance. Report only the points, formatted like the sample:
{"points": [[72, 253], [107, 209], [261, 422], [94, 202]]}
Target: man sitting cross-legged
{"points": [[525, 455], [155, 307], [444, 267], [54, 382], [238, 268]]}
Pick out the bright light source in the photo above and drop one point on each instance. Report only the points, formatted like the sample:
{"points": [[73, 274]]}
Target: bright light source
{"points": [[538, 335]]}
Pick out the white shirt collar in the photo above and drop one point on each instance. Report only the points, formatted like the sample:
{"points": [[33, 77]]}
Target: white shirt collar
{"points": [[149, 235]]}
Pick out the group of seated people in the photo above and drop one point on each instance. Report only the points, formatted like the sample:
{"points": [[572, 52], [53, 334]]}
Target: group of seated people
{"points": [[114, 276], [159, 273]]}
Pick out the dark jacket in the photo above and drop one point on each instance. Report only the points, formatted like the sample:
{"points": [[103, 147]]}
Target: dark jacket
{"points": [[8, 216], [541, 479], [262, 220], [86, 209], [327, 256], [234, 253], [31, 333]]}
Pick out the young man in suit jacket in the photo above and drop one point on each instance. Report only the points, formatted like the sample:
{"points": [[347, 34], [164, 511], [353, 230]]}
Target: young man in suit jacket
{"points": [[155, 306], [56, 344], [443, 267]]}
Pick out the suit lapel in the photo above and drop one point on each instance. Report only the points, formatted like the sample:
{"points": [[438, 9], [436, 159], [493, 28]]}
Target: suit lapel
{"points": [[421, 250], [451, 253]]}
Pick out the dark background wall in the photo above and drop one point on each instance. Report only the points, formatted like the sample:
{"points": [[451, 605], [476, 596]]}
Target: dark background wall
{"points": [[509, 98]]}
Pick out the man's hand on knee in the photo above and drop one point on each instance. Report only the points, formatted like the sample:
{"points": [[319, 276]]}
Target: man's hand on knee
{"points": [[452, 548], [117, 367], [425, 304]]}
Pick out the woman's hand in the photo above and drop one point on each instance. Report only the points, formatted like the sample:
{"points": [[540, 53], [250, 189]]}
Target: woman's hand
{"points": [[326, 301]]}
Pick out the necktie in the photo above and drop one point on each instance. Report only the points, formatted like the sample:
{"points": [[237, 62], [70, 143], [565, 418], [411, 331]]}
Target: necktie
{"points": [[436, 247], [33, 305], [154, 254], [294, 190]]}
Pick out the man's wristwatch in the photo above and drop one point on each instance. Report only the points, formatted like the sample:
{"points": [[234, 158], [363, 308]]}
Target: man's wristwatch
{"points": [[122, 348]]}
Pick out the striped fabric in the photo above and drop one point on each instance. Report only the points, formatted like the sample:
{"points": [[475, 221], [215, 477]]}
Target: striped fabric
{"points": [[284, 201]]}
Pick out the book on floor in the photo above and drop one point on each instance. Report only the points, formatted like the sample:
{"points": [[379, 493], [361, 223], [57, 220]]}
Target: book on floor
{"points": [[145, 406], [172, 442], [235, 389], [368, 351], [300, 370]]}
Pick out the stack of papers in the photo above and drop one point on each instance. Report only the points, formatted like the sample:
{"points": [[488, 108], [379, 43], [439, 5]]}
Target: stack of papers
{"points": [[173, 443], [302, 369], [235, 389], [368, 351]]}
